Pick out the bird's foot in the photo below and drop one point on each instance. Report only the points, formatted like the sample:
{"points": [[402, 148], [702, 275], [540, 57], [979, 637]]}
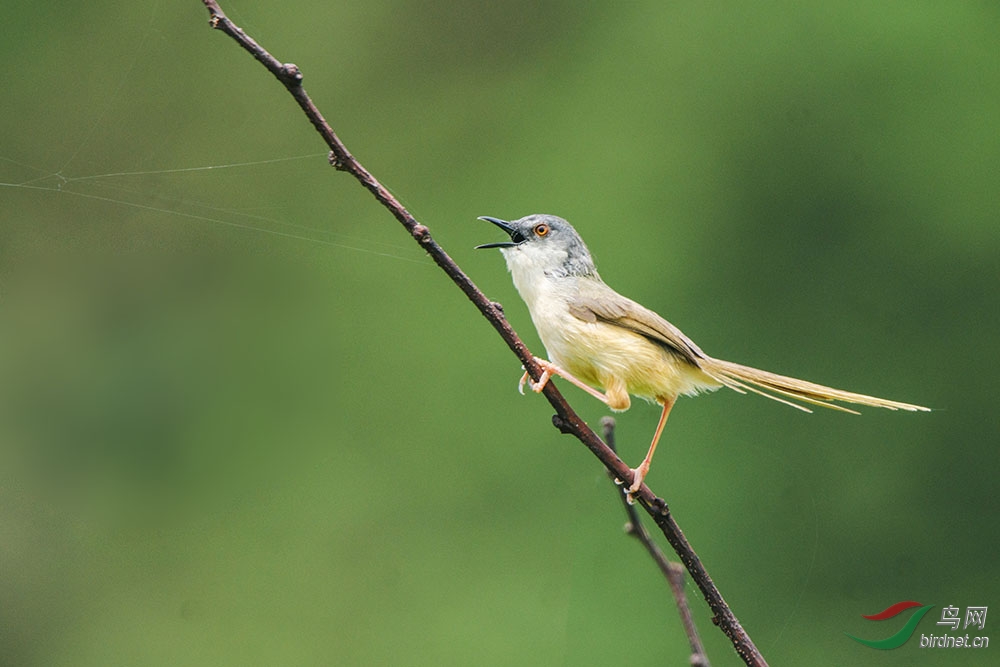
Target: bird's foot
{"points": [[548, 369], [638, 475]]}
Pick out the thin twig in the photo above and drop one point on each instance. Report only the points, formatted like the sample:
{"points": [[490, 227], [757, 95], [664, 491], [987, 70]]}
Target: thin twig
{"points": [[565, 419], [673, 572]]}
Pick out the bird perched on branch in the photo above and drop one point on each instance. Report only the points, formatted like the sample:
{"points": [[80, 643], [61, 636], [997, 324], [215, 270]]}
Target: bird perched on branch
{"points": [[595, 337]]}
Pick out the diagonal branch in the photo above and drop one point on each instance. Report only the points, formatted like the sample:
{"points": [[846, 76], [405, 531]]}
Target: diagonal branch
{"points": [[565, 419], [673, 572]]}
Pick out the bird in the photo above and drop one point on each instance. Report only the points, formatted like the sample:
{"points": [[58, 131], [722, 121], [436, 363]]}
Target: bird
{"points": [[613, 347]]}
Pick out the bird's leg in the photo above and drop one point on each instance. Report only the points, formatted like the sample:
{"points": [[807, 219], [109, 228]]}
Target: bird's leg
{"points": [[548, 370], [639, 474]]}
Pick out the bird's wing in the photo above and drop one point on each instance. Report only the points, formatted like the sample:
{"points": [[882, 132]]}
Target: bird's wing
{"points": [[599, 303], [596, 302]]}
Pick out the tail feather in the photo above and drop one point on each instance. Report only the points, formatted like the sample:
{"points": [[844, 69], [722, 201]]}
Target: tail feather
{"points": [[743, 378]]}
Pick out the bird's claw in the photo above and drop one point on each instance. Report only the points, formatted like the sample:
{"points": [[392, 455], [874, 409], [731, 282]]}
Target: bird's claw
{"points": [[536, 387], [638, 475]]}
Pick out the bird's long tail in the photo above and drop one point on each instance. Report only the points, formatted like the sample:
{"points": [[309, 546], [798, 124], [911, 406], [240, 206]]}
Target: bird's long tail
{"points": [[743, 379]]}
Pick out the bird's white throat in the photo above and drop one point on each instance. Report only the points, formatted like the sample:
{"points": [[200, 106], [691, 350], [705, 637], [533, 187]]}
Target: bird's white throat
{"points": [[535, 272]]}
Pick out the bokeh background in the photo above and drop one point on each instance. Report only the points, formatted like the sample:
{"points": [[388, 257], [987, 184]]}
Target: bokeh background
{"points": [[244, 420]]}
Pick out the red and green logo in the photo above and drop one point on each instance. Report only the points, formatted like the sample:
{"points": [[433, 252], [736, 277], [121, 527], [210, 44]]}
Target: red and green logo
{"points": [[900, 638]]}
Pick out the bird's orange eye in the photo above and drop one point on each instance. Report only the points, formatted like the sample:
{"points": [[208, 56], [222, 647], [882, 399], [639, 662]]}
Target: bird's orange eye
{"points": [[541, 230]]}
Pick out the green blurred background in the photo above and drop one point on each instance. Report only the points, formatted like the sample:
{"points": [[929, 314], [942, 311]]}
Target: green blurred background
{"points": [[244, 420]]}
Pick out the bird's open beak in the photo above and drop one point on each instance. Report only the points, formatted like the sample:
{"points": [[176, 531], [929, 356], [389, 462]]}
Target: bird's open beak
{"points": [[515, 236]]}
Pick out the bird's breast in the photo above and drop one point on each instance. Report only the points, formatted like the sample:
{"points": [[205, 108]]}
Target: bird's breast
{"points": [[612, 357], [600, 353]]}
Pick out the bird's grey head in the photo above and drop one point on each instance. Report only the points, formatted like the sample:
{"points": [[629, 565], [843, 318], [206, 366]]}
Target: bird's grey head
{"points": [[543, 243]]}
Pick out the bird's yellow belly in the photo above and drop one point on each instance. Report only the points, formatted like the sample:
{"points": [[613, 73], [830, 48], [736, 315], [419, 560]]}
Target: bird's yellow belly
{"points": [[622, 362]]}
